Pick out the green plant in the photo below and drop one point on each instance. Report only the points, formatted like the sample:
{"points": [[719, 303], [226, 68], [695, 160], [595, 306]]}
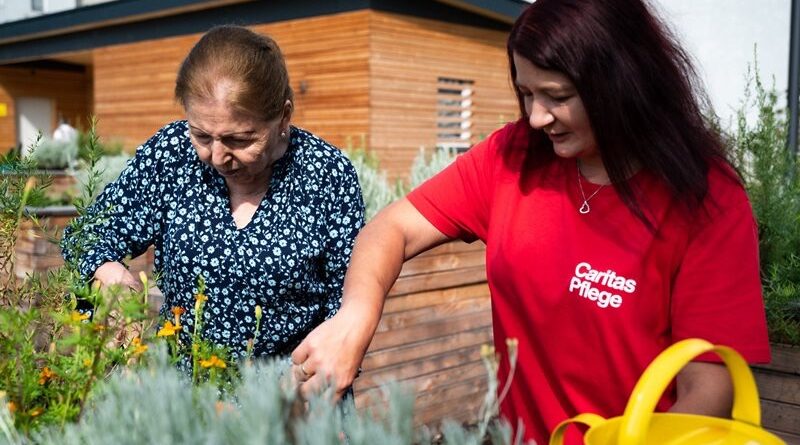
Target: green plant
{"points": [[53, 353], [772, 178], [156, 404], [50, 154], [109, 166], [425, 166], [377, 190], [375, 187]]}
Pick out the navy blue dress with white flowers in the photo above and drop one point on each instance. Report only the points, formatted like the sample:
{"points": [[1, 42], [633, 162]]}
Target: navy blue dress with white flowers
{"points": [[290, 259]]}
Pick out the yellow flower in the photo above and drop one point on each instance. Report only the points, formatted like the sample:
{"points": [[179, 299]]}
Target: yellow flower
{"points": [[487, 351], [46, 375], [87, 362], [201, 298], [77, 316], [36, 411], [169, 329], [213, 361], [177, 311], [138, 347], [143, 279], [258, 312]]}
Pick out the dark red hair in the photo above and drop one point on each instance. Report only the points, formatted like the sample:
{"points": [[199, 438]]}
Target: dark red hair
{"points": [[637, 84]]}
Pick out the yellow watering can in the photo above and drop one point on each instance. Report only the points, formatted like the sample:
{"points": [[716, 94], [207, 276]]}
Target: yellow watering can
{"points": [[639, 425]]}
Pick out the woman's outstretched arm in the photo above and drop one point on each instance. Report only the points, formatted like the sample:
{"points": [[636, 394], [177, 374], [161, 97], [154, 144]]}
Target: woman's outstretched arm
{"points": [[336, 347]]}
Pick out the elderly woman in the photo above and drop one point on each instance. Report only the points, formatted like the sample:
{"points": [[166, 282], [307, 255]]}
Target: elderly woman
{"points": [[265, 212]]}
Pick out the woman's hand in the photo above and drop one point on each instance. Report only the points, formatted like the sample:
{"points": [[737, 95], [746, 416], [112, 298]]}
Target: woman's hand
{"points": [[332, 352], [335, 349], [112, 273]]}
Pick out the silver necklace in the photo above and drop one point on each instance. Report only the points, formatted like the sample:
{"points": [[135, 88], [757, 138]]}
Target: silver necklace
{"points": [[584, 208]]}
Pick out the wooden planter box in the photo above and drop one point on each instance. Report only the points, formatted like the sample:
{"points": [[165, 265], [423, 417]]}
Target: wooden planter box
{"points": [[37, 249], [435, 320], [779, 390]]}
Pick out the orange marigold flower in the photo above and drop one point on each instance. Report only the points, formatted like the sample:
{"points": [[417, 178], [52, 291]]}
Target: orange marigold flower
{"points": [[213, 361], [169, 329], [36, 411], [46, 375], [222, 407], [177, 311], [12, 407], [76, 316], [138, 347]]}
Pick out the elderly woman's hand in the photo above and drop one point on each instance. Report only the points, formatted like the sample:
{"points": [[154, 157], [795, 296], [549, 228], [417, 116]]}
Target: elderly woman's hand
{"points": [[116, 273], [333, 351]]}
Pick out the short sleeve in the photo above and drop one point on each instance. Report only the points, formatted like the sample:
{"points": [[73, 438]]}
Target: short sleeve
{"points": [[717, 292], [457, 200]]}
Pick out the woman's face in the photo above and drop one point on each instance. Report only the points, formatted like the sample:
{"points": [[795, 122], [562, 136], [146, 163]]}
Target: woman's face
{"points": [[554, 106], [239, 146]]}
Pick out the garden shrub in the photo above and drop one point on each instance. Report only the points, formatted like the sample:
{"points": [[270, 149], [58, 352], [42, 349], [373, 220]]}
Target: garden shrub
{"points": [[772, 177]]}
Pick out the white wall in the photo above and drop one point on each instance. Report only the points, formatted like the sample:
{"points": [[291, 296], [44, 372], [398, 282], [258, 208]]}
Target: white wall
{"points": [[11, 10], [720, 34]]}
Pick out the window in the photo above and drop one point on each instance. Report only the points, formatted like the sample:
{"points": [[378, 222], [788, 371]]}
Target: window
{"points": [[37, 5], [453, 113]]}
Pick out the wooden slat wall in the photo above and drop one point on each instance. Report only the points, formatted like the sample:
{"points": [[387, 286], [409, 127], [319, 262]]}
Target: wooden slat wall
{"points": [[70, 91], [407, 56], [329, 55], [437, 316]]}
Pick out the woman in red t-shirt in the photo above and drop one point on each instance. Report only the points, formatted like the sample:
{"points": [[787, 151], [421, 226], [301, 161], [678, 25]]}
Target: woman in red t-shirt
{"points": [[613, 222]]}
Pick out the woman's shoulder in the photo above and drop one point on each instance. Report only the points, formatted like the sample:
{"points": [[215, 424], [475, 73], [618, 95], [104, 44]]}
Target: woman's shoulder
{"points": [[725, 185], [314, 153], [168, 144], [726, 194]]}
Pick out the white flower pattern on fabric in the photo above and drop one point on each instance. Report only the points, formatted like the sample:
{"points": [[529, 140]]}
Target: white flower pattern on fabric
{"points": [[290, 259]]}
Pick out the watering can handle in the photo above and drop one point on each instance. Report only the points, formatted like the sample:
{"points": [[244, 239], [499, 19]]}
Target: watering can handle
{"points": [[662, 371], [588, 419]]}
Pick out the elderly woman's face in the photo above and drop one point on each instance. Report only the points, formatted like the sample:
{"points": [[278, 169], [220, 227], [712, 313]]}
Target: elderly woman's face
{"points": [[240, 147]]}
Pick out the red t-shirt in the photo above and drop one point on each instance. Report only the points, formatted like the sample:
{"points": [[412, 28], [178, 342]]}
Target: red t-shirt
{"points": [[594, 298]]}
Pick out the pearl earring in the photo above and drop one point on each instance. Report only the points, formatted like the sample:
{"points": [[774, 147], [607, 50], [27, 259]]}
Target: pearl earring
{"points": [[283, 134]]}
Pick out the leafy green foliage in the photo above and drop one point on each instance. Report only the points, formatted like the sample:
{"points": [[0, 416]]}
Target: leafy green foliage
{"points": [[378, 191], [50, 154], [772, 178]]}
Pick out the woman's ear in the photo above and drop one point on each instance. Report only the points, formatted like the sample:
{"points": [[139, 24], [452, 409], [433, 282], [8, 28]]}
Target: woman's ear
{"points": [[288, 108]]}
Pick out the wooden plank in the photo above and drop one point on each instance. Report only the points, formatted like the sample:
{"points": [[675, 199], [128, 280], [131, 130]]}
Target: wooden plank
{"points": [[780, 416], [417, 300], [789, 438], [776, 386], [439, 280], [428, 263], [422, 383], [404, 353], [416, 317], [421, 368], [426, 331], [785, 358], [433, 415]]}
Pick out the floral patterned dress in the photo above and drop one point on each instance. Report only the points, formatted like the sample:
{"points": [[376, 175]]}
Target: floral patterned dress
{"points": [[290, 259]]}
